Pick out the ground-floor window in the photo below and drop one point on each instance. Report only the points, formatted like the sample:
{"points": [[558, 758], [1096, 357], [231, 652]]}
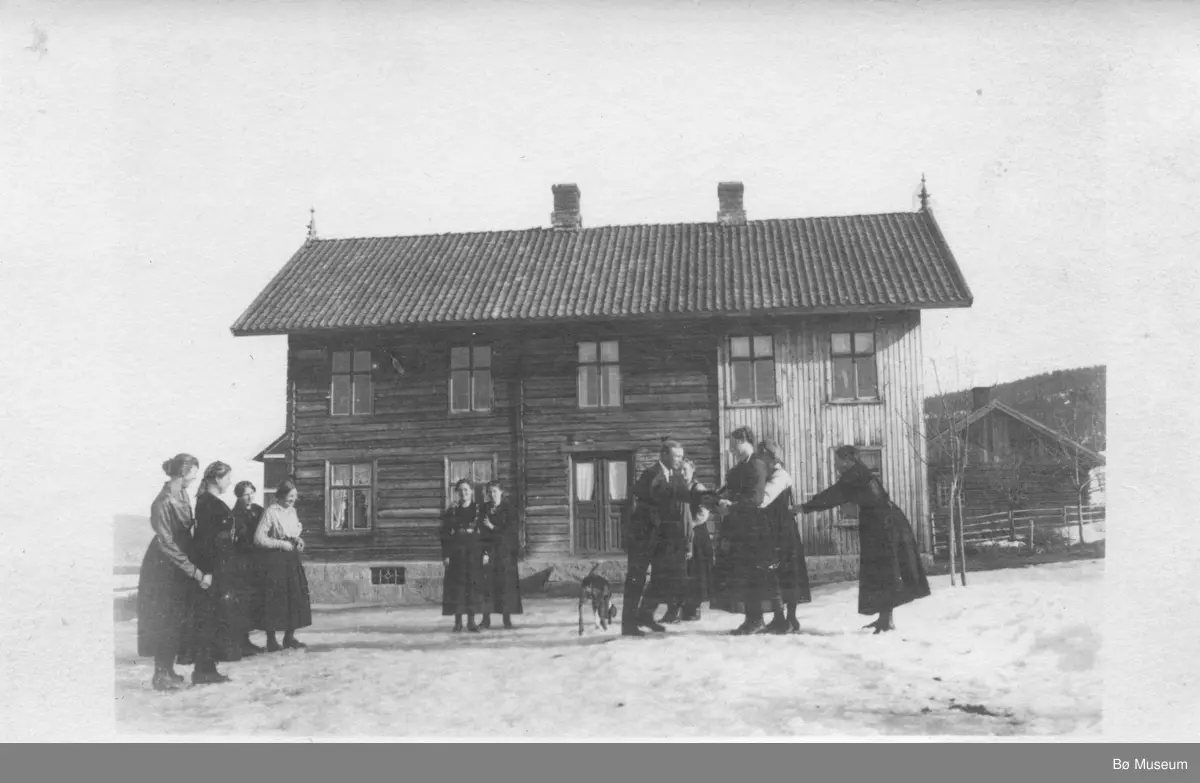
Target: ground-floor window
{"points": [[351, 488]]}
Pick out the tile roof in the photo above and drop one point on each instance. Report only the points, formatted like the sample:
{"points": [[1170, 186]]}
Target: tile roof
{"points": [[827, 264]]}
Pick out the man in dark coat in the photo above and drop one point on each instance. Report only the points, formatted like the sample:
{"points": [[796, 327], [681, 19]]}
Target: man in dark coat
{"points": [[498, 531], [751, 545], [890, 572], [659, 527]]}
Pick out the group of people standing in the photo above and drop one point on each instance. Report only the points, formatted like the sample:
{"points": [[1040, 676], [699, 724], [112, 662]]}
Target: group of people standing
{"points": [[212, 576], [759, 561], [480, 550]]}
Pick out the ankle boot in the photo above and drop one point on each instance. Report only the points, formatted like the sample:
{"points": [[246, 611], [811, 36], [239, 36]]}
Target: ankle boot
{"points": [[778, 624], [165, 680], [508, 620], [752, 625], [208, 676], [646, 620], [485, 623]]}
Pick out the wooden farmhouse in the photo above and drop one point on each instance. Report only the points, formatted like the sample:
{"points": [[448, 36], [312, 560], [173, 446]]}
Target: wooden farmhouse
{"points": [[557, 359], [1011, 462]]}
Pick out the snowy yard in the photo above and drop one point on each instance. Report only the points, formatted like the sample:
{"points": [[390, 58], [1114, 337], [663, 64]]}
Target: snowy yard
{"points": [[1018, 652]]}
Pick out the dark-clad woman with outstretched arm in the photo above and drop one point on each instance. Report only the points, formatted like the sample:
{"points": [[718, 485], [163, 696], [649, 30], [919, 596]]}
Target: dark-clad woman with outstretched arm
{"points": [[890, 572]]}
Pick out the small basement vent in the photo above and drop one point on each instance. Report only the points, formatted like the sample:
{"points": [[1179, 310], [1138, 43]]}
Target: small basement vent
{"points": [[387, 575]]}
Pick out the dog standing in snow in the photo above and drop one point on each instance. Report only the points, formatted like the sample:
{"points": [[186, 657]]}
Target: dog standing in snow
{"points": [[596, 590]]}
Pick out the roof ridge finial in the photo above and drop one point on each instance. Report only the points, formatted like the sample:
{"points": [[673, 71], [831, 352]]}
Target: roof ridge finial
{"points": [[312, 223], [924, 195]]}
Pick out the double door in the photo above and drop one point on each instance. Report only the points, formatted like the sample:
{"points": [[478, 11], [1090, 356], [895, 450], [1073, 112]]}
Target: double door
{"points": [[601, 501]]}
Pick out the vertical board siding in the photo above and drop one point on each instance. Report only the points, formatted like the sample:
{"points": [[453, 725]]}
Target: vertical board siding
{"points": [[808, 426]]}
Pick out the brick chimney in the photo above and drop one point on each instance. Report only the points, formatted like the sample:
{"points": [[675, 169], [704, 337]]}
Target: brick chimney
{"points": [[566, 207], [980, 396], [729, 197]]}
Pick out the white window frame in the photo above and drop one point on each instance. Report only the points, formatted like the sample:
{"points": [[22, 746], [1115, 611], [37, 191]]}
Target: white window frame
{"points": [[843, 511], [480, 487], [356, 376], [471, 369], [600, 364], [854, 357], [373, 513], [752, 359]]}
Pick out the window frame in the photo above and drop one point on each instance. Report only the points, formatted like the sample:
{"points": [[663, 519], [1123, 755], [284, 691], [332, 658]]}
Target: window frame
{"points": [[753, 359], [941, 487], [603, 483], [600, 364], [471, 369], [480, 487], [854, 356], [355, 377], [373, 493], [843, 516]]}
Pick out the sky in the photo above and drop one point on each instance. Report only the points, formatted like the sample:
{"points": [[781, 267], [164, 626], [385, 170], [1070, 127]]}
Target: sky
{"points": [[169, 155], [159, 162]]}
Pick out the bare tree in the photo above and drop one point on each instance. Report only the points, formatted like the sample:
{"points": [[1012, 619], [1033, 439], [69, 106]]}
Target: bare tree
{"points": [[1008, 480], [943, 449], [1075, 457]]}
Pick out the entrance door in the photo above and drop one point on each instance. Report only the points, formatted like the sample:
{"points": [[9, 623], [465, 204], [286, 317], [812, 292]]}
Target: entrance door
{"points": [[602, 504]]}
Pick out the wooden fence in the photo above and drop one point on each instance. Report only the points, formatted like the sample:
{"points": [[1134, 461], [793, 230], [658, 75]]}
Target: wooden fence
{"points": [[1022, 525]]}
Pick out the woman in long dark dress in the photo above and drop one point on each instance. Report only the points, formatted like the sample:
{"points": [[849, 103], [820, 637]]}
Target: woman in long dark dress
{"points": [[286, 602], [791, 570], [168, 576], [464, 585], [751, 549], [246, 570], [218, 621], [500, 541], [890, 572]]}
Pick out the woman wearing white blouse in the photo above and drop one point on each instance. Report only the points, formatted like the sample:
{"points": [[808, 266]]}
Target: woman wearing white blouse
{"points": [[286, 603], [791, 570]]}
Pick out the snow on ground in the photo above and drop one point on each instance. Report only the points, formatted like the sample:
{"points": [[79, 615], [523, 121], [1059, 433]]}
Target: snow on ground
{"points": [[1017, 652]]}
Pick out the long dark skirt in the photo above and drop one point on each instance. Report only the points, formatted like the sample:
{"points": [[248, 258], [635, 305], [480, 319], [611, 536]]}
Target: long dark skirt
{"points": [[792, 571], [465, 584], [162, 604], [503, 585], [742, 575], [215, 625], [244, 575], [890, 571], [286, 604]]}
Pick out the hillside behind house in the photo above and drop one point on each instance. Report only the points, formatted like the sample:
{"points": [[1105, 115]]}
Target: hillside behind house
{"points": [[1069, 401]]}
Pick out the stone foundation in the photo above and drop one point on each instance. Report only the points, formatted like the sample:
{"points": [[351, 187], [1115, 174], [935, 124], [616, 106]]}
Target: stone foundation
{"points": [[350, 583]]}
